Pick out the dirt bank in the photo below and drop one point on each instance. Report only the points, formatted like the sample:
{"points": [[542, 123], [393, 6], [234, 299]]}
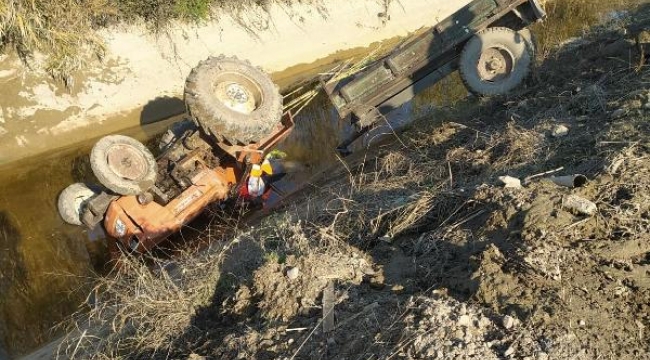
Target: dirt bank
{"points": [[415, 250]]}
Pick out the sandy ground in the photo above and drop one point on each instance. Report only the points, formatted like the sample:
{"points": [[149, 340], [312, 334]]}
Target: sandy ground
{"points": [[143, 74]]}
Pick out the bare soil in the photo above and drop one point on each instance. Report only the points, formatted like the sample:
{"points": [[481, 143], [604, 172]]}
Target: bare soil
{"points": [[430, 257]]}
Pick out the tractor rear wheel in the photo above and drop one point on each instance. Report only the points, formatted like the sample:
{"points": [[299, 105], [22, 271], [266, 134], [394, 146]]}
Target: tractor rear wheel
{"points": [[233, 101]]}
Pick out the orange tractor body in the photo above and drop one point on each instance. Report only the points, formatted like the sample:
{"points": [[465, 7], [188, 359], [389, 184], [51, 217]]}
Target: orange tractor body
{"points": [[139, 223]]}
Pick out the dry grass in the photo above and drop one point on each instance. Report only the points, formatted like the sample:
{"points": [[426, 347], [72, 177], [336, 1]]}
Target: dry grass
{"points": [[571, 18], [64, 32], [143, 305], [59, 29]]}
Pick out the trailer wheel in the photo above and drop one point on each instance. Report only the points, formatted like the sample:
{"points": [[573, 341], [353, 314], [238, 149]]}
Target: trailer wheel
{"points": [[232, 100], [495, 61], [529, 36], [72, 201], [123, 165]]}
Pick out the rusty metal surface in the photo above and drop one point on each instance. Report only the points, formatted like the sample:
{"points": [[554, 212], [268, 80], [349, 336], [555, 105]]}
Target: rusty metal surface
{"points": [[254, 153], [151, 223]]}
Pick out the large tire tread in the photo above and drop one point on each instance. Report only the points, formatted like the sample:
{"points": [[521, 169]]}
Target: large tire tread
{"points": [[114, 182], [497, 36], [223, 124]]}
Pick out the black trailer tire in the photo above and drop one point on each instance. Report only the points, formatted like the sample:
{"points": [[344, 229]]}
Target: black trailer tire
{"points": [[495, 61], [123, 165], [72, 201], [232, 101]]}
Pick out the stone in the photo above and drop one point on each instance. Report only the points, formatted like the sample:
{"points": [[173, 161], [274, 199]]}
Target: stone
{"points": [[510, 182], [293, 273], [463, 309], [582, 323], [579, 205], [465, 321], [509, 322], [560, 131], [617, 114]]}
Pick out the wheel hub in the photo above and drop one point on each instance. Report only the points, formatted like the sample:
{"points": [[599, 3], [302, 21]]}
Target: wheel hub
{"points": [[236, 97], [126, 161], [495, 64]]}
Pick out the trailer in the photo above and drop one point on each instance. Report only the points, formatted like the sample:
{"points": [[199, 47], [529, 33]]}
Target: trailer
{"points": [[488, 41]]}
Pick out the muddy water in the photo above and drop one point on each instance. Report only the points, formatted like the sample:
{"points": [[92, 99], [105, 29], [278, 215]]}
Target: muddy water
{"points": [[46, 266]]}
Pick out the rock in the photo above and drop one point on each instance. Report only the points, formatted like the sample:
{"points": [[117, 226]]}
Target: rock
{"points": [[483, 322], [509, 322], [617, 114], [579, 205], [465, 321], [560, 131], [510, 351], [293, 273], [582, 323], [377, 281], [463, 309], [541, 356], [510, 182]]}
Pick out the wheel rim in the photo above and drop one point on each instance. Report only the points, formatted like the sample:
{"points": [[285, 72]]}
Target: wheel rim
{"points": [[238, 93], [79, 201], [126, 161], [495, 64]]}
